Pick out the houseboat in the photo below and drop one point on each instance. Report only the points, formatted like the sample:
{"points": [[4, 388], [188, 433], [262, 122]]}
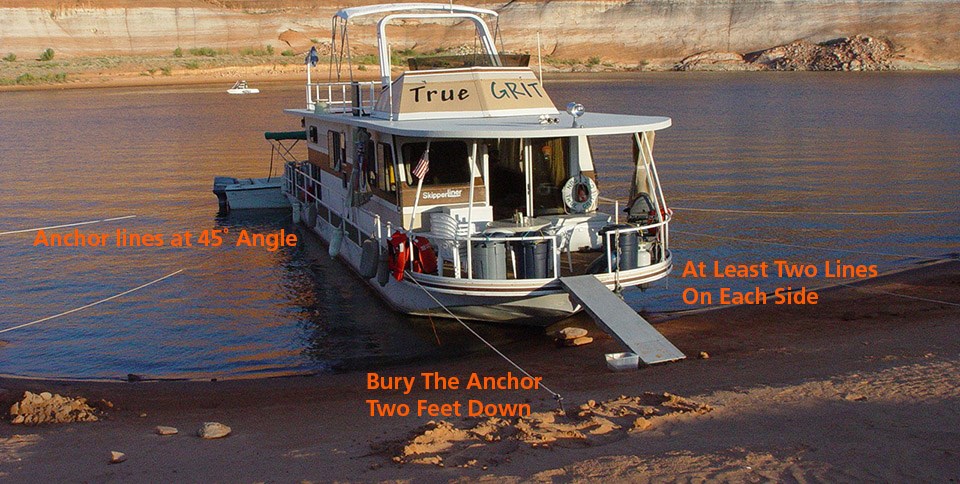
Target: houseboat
{"points": [[458, 188]]}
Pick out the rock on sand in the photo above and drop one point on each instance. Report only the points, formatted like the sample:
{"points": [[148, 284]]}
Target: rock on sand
{"points": [[46, 407], [213, 430], [583, 340], [571, 333]]}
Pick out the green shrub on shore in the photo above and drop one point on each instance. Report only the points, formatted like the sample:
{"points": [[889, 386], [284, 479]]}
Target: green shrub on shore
{"points": [[46, 55], [178, 52], [365, 59], [258, 51], [594, 60], [167, 71], [11, 57], [192, 65], [562, 62], [205, 52], [288, 53], [27, 79]]}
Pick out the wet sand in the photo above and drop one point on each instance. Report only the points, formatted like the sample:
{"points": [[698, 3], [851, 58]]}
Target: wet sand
{"points": [[863, 386]]}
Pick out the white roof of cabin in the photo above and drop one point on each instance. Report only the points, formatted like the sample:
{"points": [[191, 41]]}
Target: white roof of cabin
{"points": [[591, 124], [349, 13]]}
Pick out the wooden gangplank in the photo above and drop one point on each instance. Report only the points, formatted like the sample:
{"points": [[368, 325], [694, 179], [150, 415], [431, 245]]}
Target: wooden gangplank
{"points": [[620, 321]]}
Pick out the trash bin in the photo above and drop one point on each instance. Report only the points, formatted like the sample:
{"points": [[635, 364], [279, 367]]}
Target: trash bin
{"points": [[489, 259], [532, 258], [628, 242]]}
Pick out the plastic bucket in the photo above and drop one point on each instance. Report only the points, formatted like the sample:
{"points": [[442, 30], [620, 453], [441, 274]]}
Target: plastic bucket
{"points": [[628, 242], [532, 258], [489, 259]]}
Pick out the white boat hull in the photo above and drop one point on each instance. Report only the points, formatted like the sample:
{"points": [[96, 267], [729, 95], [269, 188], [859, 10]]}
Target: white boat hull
{"points": [[243, 91], [250, 193], [537, 302]]}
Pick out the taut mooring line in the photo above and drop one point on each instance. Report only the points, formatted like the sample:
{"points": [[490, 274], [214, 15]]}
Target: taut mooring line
{"points": [[556, 395], [124, 293], [777, 212], [878, 291], [809, 247], [10, 232]]}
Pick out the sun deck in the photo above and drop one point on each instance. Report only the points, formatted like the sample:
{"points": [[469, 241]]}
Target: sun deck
{"points": [[590, 124]]}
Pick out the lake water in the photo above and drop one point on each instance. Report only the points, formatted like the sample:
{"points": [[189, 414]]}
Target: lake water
{"points": [[845, 155]]}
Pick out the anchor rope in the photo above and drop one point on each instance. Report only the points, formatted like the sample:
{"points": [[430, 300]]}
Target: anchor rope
{"points": [[809, 247], [124, 293], [776, 212], [67, 225], [198, 265], [868, 289], [556, 395]]}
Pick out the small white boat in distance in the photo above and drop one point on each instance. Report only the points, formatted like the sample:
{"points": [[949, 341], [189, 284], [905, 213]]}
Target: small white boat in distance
{"points": [[258, 193], [241, 88]]}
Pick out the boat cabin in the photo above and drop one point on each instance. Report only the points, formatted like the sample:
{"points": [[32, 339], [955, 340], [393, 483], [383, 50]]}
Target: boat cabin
{"points": [[467, 156]]}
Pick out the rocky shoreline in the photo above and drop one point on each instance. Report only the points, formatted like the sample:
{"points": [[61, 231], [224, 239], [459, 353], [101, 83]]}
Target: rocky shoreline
{"points": [[131, 42], [857, 53]]}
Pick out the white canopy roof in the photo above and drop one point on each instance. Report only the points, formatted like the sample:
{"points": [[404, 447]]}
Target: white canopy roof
{"points": [[349, 13], [591, 124]]}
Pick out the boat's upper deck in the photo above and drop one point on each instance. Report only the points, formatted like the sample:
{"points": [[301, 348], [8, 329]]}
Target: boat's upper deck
{"points": [[480, 97], [528, 126]]}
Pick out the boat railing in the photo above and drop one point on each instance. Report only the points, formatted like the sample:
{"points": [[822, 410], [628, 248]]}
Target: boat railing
{"points": [[353, 98], [616, 207], [654, 234], [468, 249], [515, 249]]}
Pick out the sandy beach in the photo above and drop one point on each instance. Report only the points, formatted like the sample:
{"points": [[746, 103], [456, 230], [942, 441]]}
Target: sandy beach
{"points": [[863, 386]]}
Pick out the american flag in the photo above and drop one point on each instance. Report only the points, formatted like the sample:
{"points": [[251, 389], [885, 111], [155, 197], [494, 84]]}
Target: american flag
{"points": [[312, 58], [423, 166]]}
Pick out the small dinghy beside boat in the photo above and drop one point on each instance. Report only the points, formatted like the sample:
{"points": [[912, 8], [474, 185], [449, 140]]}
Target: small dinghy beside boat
{"points": [[246, 193], [259, 193]]}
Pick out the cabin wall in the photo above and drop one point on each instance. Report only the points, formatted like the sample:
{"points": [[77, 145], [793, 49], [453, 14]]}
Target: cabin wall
{"points": [[335, 182]]}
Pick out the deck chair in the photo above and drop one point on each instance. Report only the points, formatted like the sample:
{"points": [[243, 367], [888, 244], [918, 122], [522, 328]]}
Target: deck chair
{"points": [[449, 237]]}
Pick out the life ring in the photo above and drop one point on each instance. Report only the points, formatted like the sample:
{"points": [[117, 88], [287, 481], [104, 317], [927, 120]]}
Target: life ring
{"points": [[399, 251], [580, 194]]}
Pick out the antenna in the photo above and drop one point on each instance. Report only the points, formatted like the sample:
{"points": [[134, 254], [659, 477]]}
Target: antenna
{"points": [[539, 60]]}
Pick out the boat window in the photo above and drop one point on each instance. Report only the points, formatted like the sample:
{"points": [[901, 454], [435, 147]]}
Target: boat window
{"points": [[550, 170], [337, 147], [370, 162], [506, 176], [386, 177], [448, 162]]}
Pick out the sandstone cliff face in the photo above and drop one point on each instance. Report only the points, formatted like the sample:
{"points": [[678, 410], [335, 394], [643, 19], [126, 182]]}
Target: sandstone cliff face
{"points": [[626, 31]]}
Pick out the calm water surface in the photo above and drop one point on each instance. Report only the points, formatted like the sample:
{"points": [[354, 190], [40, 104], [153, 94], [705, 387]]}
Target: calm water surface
{"points": [[810, 144]]}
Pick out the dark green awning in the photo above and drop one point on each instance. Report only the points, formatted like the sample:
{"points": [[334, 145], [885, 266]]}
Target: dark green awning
{"points": [[283, 135]]}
